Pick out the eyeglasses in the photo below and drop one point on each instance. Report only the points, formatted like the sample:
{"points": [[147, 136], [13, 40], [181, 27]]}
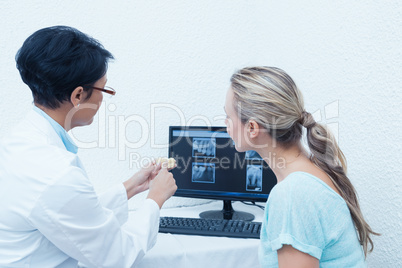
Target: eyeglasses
{"points": [[107, 90]]}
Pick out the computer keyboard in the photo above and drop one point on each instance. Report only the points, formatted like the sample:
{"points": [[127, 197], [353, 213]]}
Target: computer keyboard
{"points": [[209, 227]]}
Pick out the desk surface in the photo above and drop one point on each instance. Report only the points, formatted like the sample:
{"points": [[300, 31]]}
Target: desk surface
{"points": [[183, 251]]}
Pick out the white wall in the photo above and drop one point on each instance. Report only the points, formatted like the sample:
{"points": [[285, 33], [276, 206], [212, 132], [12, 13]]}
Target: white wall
{"points": [[345, 56]]}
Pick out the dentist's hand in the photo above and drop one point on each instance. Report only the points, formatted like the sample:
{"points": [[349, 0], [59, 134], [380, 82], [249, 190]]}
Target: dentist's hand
{"points": [[148, 173], [140, 181], [162, 187]]}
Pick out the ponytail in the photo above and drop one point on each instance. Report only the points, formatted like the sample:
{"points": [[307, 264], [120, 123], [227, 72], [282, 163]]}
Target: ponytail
{"points": [[326, 154]]}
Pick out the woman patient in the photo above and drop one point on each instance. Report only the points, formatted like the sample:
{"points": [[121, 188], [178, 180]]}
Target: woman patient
{"points": [[312, 216]]}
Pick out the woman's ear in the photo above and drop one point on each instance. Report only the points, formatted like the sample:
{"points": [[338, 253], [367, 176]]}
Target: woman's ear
{"points": [[77, 96], [253, 129]]}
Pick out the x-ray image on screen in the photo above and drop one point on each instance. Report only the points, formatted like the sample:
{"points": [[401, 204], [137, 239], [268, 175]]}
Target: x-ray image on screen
{"points": [[254, 178], [204, 147], [253, 155], [203, 173]]}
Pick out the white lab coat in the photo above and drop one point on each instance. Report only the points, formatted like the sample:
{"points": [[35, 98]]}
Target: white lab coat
{"points": [[50, 215]]}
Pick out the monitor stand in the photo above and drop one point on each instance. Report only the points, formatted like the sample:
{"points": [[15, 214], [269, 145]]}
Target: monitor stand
{"points": [[227, 213]]}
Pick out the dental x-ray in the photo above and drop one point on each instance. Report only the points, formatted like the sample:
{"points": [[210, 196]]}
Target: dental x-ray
{"points": [[203, 173], [204, 147], [253, 155], [254, 178]]}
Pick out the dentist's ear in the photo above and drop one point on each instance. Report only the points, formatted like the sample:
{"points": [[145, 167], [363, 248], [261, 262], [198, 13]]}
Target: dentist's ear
{"points": [[253, 128], [77, 96]]}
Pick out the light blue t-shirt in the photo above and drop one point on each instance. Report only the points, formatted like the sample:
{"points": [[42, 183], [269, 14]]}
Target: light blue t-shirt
{"points": [[304, 212]]}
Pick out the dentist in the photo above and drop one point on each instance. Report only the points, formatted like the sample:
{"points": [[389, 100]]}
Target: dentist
{"points": [[50, 215]]}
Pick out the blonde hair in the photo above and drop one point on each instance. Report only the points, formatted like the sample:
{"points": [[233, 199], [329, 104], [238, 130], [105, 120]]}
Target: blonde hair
{"points": [[270, 97]]}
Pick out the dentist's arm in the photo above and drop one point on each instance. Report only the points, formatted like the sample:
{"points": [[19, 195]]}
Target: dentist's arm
{"points": [[70, 215]]}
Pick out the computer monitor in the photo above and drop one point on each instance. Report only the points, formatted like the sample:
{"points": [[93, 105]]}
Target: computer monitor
{"points": [[208, 166]]}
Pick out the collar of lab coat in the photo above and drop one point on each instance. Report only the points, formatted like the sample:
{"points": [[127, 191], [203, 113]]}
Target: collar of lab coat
{"points": [[61, 132], [43, 125]]}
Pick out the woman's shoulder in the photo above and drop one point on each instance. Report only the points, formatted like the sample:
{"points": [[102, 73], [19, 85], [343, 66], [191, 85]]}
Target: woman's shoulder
{"points": [[299, 186], [298, 180], [305, 196]]}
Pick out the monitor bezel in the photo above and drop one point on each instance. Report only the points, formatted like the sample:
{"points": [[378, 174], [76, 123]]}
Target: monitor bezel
{"points": [[202, 194]]}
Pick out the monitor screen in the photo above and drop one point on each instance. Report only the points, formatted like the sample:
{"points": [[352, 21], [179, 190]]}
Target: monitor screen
{"points": [[208, 166]]}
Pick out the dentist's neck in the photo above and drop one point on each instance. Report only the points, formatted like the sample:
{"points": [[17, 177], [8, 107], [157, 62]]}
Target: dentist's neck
{"points": [[59, 114]]}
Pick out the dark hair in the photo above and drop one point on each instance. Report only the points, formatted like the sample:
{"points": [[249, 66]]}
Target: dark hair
{"points": [[54, 61]]}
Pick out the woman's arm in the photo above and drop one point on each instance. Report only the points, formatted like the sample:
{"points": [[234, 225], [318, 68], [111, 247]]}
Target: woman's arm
{"points": [[289, 257]]}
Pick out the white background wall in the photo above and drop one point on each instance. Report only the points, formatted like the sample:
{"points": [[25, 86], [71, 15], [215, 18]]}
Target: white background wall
{"points": [[344, 55]]}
